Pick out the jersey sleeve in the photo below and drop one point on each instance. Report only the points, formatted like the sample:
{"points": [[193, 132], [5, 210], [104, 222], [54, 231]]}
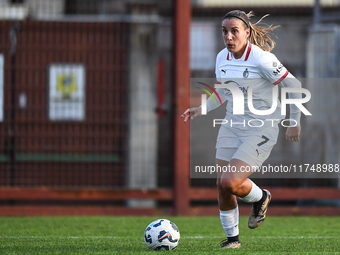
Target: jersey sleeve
{"points": [[220, 92], [217, 72], [271, 68]]}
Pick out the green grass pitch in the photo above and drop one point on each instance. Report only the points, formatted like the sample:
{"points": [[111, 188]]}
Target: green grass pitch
{"points": [[199, 235]]}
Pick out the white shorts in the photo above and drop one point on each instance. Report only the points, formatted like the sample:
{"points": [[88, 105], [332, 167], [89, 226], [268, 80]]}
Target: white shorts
{"points": [[251, 148]]}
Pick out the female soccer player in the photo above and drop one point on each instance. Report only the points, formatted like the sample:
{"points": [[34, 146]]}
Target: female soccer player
{"points": [[247, 63]]}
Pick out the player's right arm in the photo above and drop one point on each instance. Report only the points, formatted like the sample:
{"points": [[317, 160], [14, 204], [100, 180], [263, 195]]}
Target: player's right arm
{"points": [[191, 113], [194, 112]]}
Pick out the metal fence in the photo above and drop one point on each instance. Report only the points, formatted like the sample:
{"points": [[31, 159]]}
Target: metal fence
{"points": [[65, 104], [80, 94], [91, 98]]}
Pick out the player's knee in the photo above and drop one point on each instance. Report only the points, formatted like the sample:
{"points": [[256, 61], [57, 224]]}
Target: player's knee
{"points": [[229, 184]]}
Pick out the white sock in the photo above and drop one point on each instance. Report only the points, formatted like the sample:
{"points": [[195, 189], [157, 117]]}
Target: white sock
{"points": [[229, 220], [254, 195]]}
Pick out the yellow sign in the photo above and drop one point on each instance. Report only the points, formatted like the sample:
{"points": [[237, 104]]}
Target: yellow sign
{"points": [[67, 94], [66, 84]]}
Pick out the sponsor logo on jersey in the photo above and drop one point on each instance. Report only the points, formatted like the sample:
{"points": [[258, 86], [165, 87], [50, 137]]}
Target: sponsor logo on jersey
{"points": [[245, 73], [274, 64], [243, 89], [278, 70], [224, 71]]}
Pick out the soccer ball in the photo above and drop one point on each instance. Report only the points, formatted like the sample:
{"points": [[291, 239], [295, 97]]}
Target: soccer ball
{"points": [[161, 234]]}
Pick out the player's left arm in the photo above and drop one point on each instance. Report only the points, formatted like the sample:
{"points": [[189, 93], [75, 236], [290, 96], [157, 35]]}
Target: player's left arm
{"points": [[272, 69], [293, 131]]}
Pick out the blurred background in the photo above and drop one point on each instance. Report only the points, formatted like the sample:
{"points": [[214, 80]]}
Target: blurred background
{"points": [[91, 92]]}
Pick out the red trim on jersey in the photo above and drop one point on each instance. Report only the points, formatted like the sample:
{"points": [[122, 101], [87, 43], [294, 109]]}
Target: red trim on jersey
{"points": [[218, 82], [283, 76], [248, 52]]}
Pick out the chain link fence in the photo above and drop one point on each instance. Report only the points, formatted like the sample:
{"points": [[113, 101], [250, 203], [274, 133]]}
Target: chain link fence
{"points": [[87, 89]]}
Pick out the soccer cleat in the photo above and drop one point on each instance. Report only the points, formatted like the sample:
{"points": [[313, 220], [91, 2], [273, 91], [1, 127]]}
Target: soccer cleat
{"points": [[225, 244], [258, 211]]}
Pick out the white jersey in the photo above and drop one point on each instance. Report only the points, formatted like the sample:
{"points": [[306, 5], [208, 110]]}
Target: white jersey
{"points": [[256, 69]]}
